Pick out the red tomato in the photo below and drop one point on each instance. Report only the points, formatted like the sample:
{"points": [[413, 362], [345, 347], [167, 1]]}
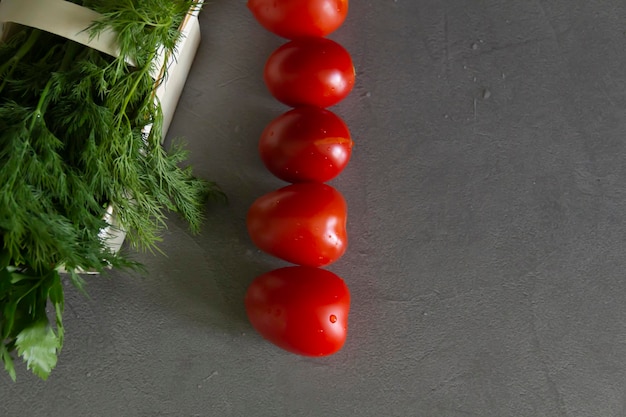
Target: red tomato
{"points": [[303, 223], [306, 144], [297, 18], [310, 71], [301, 309]]}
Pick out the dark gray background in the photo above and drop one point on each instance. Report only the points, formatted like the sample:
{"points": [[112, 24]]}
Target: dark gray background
{"points": [[487, 231]]}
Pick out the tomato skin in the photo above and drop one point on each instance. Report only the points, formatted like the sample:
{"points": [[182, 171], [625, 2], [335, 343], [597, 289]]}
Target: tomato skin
{"points": [[306, 144], [300, 309], [298, 18], [310, 71], [302, 223]]}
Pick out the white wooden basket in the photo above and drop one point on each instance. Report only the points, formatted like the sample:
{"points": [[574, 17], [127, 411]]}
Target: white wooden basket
{"points": [[70, 21]]}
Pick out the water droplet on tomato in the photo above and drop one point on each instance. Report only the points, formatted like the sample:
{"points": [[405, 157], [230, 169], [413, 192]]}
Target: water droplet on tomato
{"points": [[333, 318]]}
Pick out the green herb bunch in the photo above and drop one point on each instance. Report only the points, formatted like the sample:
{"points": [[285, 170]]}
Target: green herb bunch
{"points": [[73, 140]]}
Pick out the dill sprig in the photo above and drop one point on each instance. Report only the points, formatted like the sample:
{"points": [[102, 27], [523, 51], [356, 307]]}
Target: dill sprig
{"points": [[73, 140]]}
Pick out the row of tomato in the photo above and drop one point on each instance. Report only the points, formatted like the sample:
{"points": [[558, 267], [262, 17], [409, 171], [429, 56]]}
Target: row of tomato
{"points": [[303, 308]]}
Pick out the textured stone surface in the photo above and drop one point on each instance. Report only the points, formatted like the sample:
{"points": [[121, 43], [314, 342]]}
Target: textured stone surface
{"points": [[487, 226]]}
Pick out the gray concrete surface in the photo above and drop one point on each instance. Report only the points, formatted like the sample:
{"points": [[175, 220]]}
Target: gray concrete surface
{"points": [[487, 229]]}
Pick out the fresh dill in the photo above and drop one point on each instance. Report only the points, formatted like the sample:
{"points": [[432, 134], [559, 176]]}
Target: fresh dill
{"points": [[73, 142]]}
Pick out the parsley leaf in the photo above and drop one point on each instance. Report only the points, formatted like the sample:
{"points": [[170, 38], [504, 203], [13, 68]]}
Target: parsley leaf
{"points": [[38, 345], [8, 362]]}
